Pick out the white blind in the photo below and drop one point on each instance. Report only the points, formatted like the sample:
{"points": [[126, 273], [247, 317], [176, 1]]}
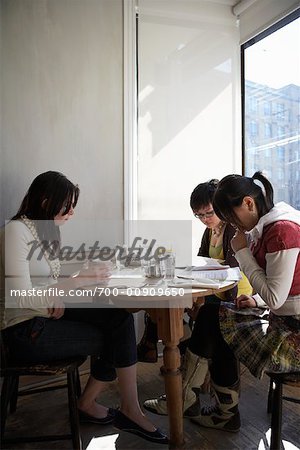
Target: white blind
{"points": [[261, 14], [189, 104]]}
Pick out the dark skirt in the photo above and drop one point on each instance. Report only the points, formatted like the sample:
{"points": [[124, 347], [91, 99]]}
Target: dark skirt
{"points": [[261, 340]]}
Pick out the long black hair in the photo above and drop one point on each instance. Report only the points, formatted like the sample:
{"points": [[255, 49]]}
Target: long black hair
{"points": [[233, 188], [48, 194], [203, 194]]}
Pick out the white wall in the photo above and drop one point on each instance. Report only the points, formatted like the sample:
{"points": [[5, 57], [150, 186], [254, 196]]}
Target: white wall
{"points": [[62, 100], [189, 103]]}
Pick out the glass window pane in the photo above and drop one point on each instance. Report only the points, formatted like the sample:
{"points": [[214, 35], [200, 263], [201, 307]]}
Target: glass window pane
{"points": [[272, 105]]}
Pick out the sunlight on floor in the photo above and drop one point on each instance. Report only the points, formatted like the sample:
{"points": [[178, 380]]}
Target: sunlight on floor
{"points": [[289, 446], [265, 443], [103, 442]]}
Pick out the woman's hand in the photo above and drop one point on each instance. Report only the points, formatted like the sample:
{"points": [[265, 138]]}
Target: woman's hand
{"points": [[245, 301], [94, 273], [238, 241], [58, 309]]}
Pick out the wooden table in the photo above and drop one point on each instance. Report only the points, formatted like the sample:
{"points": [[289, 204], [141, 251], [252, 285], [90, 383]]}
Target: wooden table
{"points": [[170, 331], [168, 314]]}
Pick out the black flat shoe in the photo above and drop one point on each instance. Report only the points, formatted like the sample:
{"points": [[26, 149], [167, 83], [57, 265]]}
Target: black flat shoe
{"points": [[86, 418], [123, 423]]}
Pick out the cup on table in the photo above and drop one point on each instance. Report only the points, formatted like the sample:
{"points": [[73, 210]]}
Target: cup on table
{"points": [[151, 268], [167, 265]]}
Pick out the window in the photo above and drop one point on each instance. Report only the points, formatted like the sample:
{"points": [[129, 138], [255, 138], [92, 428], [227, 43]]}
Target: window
{"points": [[253, 105], [271, 77], [280, 111], [186, 106], [280, 174], [268, 153], [280, 153], [268, 130], [267, 108], [253, 129], [281, 131]]}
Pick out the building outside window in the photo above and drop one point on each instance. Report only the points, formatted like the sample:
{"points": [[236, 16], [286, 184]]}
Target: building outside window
{"points": [[272, 79]]}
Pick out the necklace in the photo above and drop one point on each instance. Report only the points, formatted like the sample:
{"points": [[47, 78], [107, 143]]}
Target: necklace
{"points": [[54, 264], [218, 230]]}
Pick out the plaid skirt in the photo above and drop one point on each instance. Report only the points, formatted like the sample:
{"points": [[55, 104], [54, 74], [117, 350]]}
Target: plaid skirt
{"points": [[261, 340]]}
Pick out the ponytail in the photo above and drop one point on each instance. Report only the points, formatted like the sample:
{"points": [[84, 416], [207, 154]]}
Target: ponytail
{"points": [[233, 188], [267, 190]]}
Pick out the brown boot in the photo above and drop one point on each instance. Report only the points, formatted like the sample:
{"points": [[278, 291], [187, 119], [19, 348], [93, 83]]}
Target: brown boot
{"points": [[193, 375]]}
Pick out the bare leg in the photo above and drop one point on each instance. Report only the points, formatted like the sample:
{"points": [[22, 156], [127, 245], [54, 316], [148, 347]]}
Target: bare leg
{"points": [[87, 402], [129, 397]]}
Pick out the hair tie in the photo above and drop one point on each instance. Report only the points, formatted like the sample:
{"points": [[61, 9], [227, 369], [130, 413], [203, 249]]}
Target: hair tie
{"points": [[260, 184]]}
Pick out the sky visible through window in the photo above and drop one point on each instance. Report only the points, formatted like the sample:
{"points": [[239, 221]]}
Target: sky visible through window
{"points": [[275, 60], [272, 110]]}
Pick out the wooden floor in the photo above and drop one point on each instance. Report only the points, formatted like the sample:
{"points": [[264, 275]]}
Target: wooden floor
{"points": [[48, 412]]}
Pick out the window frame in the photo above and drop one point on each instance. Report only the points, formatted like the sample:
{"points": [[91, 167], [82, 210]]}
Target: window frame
{"points": [[130, 113], [272, 29]]}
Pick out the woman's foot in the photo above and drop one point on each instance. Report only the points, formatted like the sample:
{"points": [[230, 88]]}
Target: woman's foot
{"points": [[86, 418], [93, 409], [123, 422], [139, 418]]}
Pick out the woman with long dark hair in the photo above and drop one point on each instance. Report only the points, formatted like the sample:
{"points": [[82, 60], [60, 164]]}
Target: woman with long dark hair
{"points": [[40, 328]]}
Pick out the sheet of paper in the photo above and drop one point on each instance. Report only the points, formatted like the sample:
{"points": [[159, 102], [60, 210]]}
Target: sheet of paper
{"points": [[194, 284], [205, 283], [202, 263], [230, 274]]}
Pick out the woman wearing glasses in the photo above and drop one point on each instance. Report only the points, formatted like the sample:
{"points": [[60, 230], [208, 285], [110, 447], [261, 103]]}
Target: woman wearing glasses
{"points": [[217, 236]]}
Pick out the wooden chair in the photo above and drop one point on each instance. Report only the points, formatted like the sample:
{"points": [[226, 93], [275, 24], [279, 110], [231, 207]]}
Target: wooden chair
{"points": [[275, 397], [12, 371]]}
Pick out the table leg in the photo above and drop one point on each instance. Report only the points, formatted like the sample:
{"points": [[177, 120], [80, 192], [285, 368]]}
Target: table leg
{"points": [[170, 330]]}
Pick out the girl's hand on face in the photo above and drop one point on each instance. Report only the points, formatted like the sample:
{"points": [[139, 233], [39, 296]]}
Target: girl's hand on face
{"points": [[245, 301], [238, 241]]}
